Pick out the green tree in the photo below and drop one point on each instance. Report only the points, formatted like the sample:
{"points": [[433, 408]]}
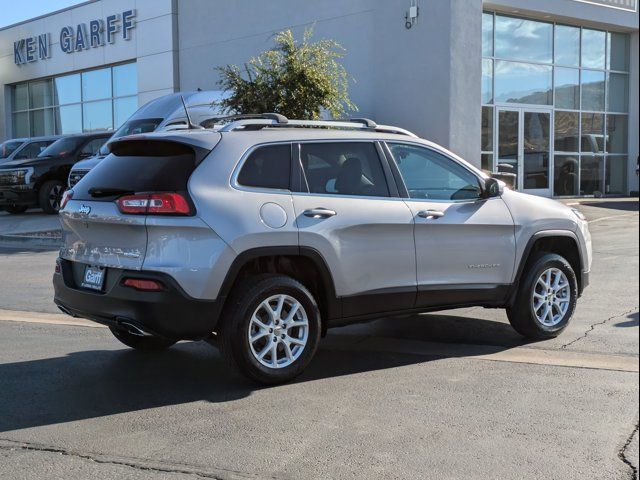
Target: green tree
{"points": [[296, 79]]}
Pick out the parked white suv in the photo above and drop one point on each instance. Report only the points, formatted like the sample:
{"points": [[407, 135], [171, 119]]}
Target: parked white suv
{"points": [[262, 233]]}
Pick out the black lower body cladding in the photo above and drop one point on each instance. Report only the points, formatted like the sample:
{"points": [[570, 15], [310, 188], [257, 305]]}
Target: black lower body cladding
{"points": [[170, 313]]}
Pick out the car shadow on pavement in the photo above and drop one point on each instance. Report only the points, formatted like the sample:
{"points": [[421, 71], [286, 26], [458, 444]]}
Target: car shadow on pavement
{"points": [[95, 383], [632, 322], [629, 206]]}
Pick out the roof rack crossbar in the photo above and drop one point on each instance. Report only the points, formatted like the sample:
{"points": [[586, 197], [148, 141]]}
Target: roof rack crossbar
{"points": [[257, 122]]}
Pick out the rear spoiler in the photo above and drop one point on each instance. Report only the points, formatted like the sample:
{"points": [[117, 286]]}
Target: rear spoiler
{"points": [[201, 142]]}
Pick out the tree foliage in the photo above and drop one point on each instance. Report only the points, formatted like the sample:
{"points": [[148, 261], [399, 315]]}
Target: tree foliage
{"points": [[296, 79]]}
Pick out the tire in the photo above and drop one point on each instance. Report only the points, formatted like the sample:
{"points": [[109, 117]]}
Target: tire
{"points": [[50, 195], [531, 294], [16, 209], [295, 345], [144, 344]]}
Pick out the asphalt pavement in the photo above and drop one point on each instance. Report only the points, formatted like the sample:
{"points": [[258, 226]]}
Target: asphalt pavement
{"points": [[451, 395]]}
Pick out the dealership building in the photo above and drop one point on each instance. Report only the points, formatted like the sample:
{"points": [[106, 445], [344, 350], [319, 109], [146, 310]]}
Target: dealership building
{"points": [[543, 90]]}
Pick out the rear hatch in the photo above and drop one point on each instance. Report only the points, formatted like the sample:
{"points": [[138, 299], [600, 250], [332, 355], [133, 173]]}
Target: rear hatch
{"points": [[104, 221]]}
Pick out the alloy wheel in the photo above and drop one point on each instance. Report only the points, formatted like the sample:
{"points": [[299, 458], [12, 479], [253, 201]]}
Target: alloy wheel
{"points": [[551, 297]]}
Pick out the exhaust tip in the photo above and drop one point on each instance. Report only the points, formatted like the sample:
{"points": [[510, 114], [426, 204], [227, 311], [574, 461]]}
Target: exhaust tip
{"points": [[132, 328]]}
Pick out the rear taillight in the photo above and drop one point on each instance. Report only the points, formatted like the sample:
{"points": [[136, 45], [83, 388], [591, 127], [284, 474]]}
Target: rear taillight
{"points": [[66, 196], [154, 204], [144, 284]]}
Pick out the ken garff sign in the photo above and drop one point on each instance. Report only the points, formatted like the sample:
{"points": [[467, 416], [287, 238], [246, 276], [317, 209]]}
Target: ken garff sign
{"points": [[96, 33]]}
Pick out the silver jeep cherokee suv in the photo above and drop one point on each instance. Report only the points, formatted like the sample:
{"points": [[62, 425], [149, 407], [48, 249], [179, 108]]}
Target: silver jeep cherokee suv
{"points": [[263, 232]]}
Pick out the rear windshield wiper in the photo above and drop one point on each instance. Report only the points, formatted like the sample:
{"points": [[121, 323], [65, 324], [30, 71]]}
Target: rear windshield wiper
{"points": [[98, 192]]}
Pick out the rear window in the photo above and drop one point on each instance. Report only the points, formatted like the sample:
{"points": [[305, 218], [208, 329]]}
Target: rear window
{"points": [[138, 166], [267, 167], [133, 127]]}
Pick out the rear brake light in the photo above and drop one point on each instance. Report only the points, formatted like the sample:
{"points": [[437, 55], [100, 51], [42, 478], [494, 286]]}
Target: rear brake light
{"points": [[154, 204], [144, 285], [66, 196]]}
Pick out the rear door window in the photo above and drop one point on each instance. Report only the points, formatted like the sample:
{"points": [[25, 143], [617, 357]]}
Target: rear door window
{"points": [[342, 168], [267, 167], [139, 166]]}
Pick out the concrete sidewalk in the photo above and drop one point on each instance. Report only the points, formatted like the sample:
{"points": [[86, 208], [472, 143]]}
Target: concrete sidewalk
{"points": [[30, 229]]}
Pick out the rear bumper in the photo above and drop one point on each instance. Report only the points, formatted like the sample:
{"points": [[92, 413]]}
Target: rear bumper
{"points": [[169, 314]]}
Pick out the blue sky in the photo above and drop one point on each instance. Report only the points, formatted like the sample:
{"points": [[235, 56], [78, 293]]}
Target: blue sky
{"points": [[14, 11]]}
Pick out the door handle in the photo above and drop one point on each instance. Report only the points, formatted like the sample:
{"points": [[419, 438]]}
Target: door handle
{"points": [[319, 213], [430, 214]]}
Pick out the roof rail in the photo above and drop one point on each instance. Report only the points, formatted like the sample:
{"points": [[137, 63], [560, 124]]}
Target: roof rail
{"points": [[272, 120]]}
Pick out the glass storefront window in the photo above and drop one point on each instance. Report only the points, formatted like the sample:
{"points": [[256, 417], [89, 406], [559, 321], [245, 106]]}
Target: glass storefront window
{"points": [[523, 83], [21, 97], [618, 51], [520, 39], [591, 167], [565, 175], [618, 92], [487, 34], [97, 116], [125, 80], [617, 133], [487, 128], [69, 119], [567, 88], [96, 84], [40, 94], [487, 80], [567, 46], [60, 105], [486, 162], [67, 89], [41, 122], [566, 130], [123, 108], [21, 125], [592, 90], [616, 176], [593, 48], [592, 132]]}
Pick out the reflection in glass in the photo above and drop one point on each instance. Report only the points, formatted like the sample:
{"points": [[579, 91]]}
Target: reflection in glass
{"points": [[487, 81], [592, 132], [40, 94], [508, 127], [97, 116], [20, 125], [536, 149], [487, 129], [21, 97], [616, 176], [618, 51], [593, 48], [123, 108], [487, 35], [565, 175], [486, 162], [523, 83], [592, 90], [125, 80], [591, 175], [96, 84], [618, 92], [69, 119], [42, 122], [519, 39], [566, 131], [67, 89], [617, 133], [567, 86], [567, 46]]}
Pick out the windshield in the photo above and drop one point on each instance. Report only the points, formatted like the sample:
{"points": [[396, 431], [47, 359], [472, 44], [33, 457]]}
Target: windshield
{"points": [[133, 127], [8, 147], [62, 147]]}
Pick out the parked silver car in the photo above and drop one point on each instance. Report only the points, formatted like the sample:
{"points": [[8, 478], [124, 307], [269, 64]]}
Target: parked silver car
{"points": [[260, 234]]}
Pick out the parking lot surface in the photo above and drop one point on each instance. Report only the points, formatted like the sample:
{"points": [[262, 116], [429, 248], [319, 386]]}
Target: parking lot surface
{"points": [[456, 394]]}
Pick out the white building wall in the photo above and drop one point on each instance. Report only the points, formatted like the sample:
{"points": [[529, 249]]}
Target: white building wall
{"points": [[153, 46]]}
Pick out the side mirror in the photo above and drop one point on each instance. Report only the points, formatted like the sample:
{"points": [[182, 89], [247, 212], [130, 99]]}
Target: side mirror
{"points": [[493, 188]]}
